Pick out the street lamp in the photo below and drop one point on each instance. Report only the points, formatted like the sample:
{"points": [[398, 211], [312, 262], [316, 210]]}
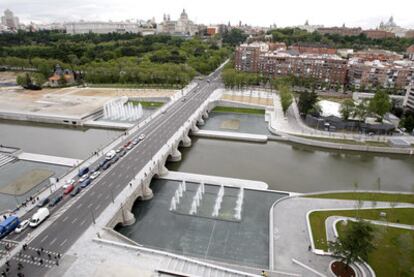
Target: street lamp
{"points": [[93, 216]]}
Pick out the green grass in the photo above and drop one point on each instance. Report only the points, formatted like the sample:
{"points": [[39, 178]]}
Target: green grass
{"points": [[147, 104], [137, 86], [238, 110], [394, 251], [348, 141], [318, 218], [368, 196]]}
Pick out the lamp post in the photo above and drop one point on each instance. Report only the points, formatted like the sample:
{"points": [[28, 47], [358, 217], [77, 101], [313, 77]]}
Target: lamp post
{"points": [[93, 216]]}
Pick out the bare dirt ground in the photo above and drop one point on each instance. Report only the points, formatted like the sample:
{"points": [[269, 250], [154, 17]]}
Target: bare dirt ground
{"points": [[249, 100], [117, 92], [231, 124], [26, 182]]}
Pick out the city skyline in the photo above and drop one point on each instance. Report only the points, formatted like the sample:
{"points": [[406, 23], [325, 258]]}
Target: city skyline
{"points": [[216, 12]]}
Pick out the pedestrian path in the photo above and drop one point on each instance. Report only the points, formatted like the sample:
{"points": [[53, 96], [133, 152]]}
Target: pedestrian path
{"points": [[48, 159], [5, 159]]}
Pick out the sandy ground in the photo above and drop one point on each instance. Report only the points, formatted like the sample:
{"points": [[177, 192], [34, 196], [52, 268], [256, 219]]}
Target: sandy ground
{"points": [[73, 102], [231, 124], [248, 99], [8, 77], [26, 182]]}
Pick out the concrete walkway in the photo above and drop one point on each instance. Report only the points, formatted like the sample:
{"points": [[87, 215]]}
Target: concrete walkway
{"points": [[214, 180], [290, 237], [230, 136], [48, 159]]}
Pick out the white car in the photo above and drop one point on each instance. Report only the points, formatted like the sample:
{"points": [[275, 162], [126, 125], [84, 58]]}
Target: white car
{"points": [[68, 183], [141, 137], [23, 225], [83, 178], [95, 175]]}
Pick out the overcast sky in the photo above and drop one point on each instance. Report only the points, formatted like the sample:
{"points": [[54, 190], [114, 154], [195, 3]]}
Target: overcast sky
{"points": [[364, 13]]}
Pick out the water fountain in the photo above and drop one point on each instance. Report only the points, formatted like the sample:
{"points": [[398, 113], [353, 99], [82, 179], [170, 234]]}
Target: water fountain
{"points": [[184, 185], [121, 109], [239, 204], [217, 204], [173, 205], [197, 199]]}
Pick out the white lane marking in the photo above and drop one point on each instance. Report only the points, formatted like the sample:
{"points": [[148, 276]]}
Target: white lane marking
{"points": [[74, 220], [44, 238], [63, 242], [90, 205], [66, 218], [97, 207], [52, 242], [79, 206], [83, 222]]}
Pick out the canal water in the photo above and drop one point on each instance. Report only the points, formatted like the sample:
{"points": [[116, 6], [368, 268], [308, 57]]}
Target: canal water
{"points": [[55, 140], [292, 168]]}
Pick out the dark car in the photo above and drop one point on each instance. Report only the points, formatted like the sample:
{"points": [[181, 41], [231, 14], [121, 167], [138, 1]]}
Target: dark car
{"points": [[106, 165], [123, 152], [102, 163], [75, 191], [85, 183], [43, 202], [115, 159], [55, 201], [83, 171]]}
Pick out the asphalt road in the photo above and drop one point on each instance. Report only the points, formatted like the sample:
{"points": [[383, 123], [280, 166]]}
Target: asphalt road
{"points": [[75, 214]]}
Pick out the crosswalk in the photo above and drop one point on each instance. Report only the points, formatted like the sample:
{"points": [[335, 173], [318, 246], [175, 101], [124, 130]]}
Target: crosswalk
{"points": [[5, 159]]}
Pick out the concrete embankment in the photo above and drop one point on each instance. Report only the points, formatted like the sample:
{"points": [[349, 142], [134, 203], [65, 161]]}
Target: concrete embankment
{"points": [[48, 159], [230, 136]]}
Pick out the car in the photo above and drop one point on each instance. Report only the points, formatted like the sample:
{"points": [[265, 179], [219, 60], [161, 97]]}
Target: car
{"points": [[130, 147], [110, 155], [135, 141], [40, 216], [141, 137], [115, 159], [106, 165], [183, 100], [95, 175], [55, 200], [84, 177], [127, 144], [85, 183], [83, 171], [75, 191], [118, 150], [123, 152], [69, 189], [102, 163], [20, 228], [43, 202], [68, 183]]}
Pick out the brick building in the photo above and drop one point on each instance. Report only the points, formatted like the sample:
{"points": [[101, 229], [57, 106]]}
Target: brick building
{"points": [[410, 52], [378, 34], [379, 55], [247, 57], [343, 31], [313, 49], [409, 97]]}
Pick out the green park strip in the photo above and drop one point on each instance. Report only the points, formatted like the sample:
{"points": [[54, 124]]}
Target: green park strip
{"points": [[135, 86], [148, 104], [368, 196], [348, 141], [238, 110], [394, 250], [393, 215]]}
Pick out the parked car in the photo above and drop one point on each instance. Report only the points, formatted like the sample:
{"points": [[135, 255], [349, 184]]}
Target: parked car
{"points": [[123, 152], [83, 171], [23, 225], [69, 189], [127, 144], [95, 175], [129, 147], [55, 201], [119, 150], [110, 155], [102, 163], [141, 137], [75, 191], [85, 183], [84, 177], [43, 202], [115, 159], [135, 141], [39, 217], [68, 183]]}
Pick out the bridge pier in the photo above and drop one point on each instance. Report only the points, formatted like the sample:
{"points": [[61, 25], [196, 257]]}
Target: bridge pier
{"points": [[200, 122], [162, 170], [186, 141], [128, 217], [175, 156], [205, 115], [194, 128], [147, 193]]}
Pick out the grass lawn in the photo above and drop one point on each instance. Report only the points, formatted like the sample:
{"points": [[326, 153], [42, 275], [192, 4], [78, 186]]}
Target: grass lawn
{"points": [[317, 220], [394, 251], [348, 141], [368, 196], [238, 110], [151, 86], [146, 104]]}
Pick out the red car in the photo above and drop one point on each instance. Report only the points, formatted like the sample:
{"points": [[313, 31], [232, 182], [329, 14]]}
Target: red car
{"points": [[127, 144], [68, 189]]}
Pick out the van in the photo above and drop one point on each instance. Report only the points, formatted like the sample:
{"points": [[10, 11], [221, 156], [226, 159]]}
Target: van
{"points": [[83, 171], [39, 217], [110, 155]]}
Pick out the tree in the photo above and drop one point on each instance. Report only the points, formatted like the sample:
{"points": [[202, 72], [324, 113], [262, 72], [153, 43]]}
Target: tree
{"points": [[307, 101], [380, 104], [361, 111], [347, 108], [286, 98], [23, 79], [355, 243]]}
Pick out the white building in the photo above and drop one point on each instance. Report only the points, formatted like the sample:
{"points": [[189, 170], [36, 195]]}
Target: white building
{"points": [[99, 27], [309, 28], [409, 97], [392, 27], [183, 26], [10, 21]]}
